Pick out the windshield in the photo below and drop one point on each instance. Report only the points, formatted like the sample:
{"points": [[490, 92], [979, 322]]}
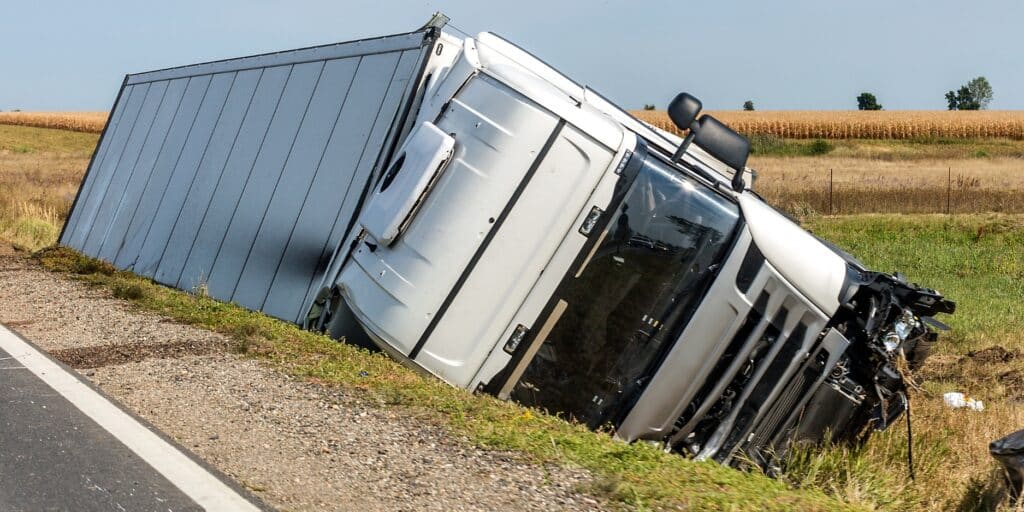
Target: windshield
{"points": [[648, 273]]}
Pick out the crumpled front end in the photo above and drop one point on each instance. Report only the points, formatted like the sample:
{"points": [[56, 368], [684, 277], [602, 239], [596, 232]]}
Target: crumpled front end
{"points": [[814, 358], [891, 328]]}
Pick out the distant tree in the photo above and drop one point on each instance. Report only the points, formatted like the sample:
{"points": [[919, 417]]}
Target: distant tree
{"points": [[748, 105], [961, 100], [648, 107], [974, 95], [867, 101], [981, 90]]}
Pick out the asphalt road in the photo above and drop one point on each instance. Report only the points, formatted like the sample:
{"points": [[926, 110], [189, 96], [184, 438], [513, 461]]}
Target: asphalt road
{"points": [[65, 446]]}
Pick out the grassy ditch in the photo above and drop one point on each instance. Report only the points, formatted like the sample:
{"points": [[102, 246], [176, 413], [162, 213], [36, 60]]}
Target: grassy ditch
{"points": [[979, 262], [636, 475], [976, 260]]}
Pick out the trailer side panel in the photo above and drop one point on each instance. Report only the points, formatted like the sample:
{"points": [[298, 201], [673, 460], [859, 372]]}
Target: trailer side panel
{"points": [[233, 176]]}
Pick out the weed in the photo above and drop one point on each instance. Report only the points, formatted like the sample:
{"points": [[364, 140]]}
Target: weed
{"points": [[818, 147], [128, 291], [766, 144]]}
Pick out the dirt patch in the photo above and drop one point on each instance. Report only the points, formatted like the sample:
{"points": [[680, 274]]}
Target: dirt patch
{"points": [[993, 354], [58, 313], [108, 355], [1013, 381]]}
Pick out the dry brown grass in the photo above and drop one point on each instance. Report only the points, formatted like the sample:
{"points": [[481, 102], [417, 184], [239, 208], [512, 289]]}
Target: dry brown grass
{"points": [[39, 175], [36, 192], [895, 124], [801, 184], [89, 122]]}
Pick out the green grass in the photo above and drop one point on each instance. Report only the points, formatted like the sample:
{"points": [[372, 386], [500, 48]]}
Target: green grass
{"points": [[636, 475], [28, 232], [884, 149], [771, 145], [977, 260], [24, 139]]}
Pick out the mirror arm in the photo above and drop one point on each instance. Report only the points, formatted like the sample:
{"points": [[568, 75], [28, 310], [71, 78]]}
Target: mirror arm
{"points": [[683, 146], [737, 181]]}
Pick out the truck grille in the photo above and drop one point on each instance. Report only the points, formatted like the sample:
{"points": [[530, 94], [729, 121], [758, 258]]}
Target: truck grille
{"points": [[758, 446], [760, 381]]}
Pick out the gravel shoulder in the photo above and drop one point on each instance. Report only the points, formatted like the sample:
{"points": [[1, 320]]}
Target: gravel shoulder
{"points": [[296, 444]]}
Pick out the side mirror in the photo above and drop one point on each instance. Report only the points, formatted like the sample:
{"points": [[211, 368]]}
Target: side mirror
{"points": [[683, 110], [721, 142], [709, 133]]}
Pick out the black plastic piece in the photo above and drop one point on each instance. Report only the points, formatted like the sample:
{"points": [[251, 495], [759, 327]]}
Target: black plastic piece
{"points": [[1009, 451], [392, 172], [683, 110], [723, 143], [751, 265], [343, 325]]}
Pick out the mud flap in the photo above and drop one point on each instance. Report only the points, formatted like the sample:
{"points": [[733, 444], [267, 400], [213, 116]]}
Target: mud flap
{"points": [[342, 325]]}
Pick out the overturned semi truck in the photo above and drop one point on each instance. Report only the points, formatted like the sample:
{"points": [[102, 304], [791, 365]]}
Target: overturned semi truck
{"points": [[461, 205]]}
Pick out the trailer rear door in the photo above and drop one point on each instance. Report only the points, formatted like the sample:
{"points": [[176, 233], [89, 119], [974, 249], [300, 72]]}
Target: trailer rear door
{"points": [[242, 176]]}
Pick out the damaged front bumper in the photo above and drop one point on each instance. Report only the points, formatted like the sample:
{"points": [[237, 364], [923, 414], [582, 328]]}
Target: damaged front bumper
{"points": [[854, 381]]}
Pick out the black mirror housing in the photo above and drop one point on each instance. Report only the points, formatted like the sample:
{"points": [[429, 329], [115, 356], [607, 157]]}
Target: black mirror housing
{"points": [[683, 110], [712, 135], [724, 144]]}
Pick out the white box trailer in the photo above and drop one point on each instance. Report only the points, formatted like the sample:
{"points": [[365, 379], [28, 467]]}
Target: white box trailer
{"points": [[463, 206]]}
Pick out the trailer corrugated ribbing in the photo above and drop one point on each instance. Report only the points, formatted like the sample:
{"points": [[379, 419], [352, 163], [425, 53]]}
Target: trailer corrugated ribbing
{"points": [[242, 176]]}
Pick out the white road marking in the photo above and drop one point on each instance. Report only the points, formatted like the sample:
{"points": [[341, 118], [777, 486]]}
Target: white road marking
{"points": [[184, 473]]}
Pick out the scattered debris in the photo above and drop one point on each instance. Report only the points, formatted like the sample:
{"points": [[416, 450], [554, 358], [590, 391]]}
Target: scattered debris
{"points": [[957, 400], [1009, 451]]}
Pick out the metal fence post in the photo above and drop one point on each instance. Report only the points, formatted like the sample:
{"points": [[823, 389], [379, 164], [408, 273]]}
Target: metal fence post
{"points": [[949, 186], [830, 184]]}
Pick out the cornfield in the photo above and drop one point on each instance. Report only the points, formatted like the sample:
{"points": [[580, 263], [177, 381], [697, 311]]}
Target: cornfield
{"points": [[91, 122], [893, 124]]}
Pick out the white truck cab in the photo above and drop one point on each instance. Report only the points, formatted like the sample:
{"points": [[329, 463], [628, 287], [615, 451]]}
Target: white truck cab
{"points": [[552, 250]]}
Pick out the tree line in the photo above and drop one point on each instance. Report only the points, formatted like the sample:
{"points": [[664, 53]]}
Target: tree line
{"points": [[974, 95]]}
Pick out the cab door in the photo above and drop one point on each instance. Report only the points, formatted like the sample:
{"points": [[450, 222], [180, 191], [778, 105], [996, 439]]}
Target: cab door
{"points": [[397, 288]]}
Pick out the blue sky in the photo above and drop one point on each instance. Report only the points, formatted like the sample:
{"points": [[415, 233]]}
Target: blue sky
{"points": [[72, 55]]}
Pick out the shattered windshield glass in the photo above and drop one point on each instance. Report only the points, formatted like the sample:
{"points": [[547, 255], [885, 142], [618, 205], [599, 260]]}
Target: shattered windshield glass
{"points": [[631, 300]]}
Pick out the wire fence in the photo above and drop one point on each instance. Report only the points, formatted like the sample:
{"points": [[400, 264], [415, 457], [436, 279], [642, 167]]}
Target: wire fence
{"points": [[833, 192]]}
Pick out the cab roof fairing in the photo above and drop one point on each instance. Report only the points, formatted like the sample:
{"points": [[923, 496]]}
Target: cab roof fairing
{"points": [[506, 61], [508, 64]]}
